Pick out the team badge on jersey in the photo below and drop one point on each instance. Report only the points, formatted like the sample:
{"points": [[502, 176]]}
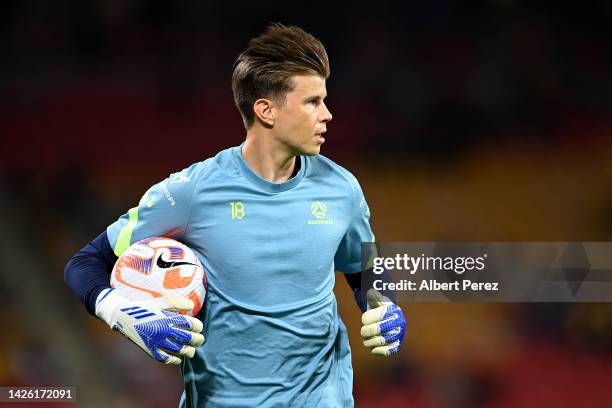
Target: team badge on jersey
{"points": [[319, 210]]}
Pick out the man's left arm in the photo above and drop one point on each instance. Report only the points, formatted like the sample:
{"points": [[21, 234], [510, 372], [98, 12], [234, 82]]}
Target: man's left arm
{"points": [[384, 325]]}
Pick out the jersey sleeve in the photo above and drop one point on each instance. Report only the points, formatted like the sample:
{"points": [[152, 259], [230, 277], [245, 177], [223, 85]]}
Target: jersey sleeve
{"points": [[163, 211], [348, 255]]}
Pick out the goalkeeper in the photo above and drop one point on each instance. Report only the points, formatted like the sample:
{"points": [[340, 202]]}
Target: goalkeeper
{"points": [[271, 220]]}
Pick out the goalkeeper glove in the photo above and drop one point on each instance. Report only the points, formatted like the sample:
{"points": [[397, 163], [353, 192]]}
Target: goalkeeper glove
{"points": [[384, 325], [153, 324]]}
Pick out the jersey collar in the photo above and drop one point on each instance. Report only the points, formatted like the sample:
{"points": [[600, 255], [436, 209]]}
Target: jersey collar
{"points": [[263, 183]]}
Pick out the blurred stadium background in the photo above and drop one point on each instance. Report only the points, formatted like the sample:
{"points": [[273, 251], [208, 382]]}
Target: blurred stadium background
{"points": [[478, 120]]}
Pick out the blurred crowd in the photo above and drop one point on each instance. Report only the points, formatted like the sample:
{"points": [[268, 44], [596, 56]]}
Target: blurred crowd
{"points": [[481, 120]]}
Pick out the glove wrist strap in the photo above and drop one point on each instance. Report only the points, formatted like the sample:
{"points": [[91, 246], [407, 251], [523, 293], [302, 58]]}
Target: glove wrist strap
{"points": [[107, 302]]}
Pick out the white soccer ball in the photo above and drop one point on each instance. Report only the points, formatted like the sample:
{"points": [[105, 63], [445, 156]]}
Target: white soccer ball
{"points": [[156, 267]]}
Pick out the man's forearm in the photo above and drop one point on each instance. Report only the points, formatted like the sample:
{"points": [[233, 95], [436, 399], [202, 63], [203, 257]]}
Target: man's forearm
{"points": [[87, 272], [354, 280]]}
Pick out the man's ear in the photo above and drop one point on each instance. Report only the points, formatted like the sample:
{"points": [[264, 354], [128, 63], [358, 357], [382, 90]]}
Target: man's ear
{"points": [[265, 111]]}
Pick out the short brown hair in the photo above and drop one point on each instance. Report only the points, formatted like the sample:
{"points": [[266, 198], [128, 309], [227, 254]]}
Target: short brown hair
{"points": [[265, 68]]}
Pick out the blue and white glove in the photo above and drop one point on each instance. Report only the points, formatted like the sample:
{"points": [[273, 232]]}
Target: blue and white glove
{"points": [[154, 324], [384, 325]]}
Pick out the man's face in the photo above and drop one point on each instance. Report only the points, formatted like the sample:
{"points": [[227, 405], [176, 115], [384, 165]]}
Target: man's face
{"points": [[301, 122]]}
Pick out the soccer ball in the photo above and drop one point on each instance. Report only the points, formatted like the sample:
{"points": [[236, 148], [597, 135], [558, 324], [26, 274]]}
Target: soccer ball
{"points": [[156, 267]]}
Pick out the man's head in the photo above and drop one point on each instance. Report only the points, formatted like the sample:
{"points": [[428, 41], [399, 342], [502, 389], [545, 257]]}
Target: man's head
{"points": [[279, 83]]}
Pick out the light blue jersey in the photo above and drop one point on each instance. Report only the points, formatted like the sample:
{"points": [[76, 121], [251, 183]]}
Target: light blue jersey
{"points": [[273, 334]]}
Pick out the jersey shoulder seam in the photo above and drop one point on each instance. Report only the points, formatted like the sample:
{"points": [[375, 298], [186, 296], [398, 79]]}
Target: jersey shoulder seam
{"points": [[344, 173]]}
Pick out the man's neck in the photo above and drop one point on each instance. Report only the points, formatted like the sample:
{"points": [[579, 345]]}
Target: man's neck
{"points": [[268, 158]]}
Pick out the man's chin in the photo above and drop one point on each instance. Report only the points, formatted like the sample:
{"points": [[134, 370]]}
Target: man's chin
{"points": [[308, 151], [312, 153]]}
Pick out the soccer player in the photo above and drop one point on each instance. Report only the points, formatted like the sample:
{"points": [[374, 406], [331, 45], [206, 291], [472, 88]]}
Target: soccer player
{"points": [[271, 220]]}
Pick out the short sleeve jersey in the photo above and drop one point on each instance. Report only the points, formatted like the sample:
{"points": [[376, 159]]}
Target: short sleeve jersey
{"points": [[273, 334]]}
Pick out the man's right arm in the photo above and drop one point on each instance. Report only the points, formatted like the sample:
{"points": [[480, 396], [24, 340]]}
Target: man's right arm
{"points": [[161, 331], [174, 335], [87, 273], [163, 211]]}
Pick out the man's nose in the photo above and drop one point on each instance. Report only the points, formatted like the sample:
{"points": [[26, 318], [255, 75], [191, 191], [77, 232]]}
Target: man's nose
{"points": [[326, 115]]}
